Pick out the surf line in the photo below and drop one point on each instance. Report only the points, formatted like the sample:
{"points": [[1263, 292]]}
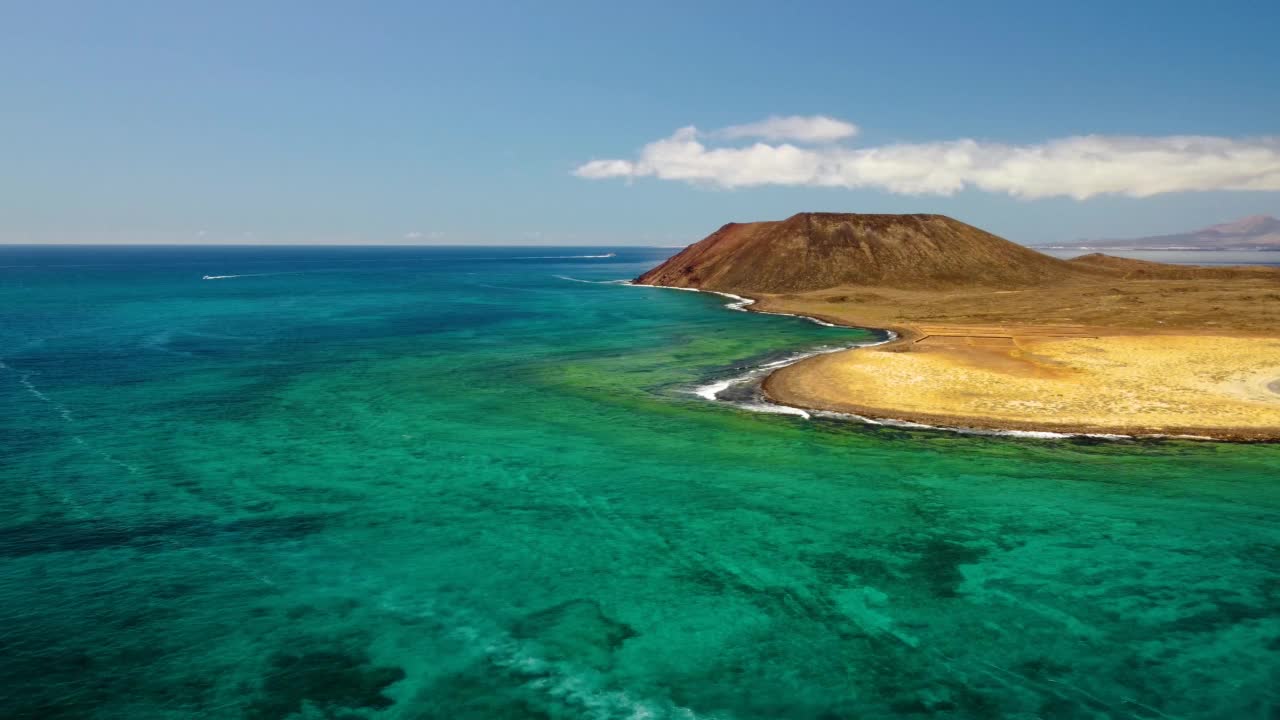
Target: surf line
{"points": [[741, 304], [738, 302], [756, 401], [752, 398], [748, 384]]}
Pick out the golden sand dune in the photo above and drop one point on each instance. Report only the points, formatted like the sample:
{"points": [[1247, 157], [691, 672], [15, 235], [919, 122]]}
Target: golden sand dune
{"points": [[1194, 385], [1198, 357]]}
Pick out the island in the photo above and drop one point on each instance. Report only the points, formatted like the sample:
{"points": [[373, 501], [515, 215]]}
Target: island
{"points": [[1256, 233], [993, 335]]}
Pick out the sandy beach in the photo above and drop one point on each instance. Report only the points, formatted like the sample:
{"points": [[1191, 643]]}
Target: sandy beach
{"points": [[1220, 387], [1160, 359]]}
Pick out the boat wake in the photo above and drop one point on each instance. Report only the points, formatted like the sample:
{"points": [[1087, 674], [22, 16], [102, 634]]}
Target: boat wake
{"points": [[268, 274], [562, 257], [228, 277], [593, 282]]}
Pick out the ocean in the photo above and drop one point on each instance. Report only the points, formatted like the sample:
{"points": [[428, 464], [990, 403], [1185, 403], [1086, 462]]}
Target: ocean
{"points": [[482, 483]]}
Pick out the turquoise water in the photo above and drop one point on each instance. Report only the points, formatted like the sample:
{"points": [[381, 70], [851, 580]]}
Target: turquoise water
{"points": [[446, 483]]}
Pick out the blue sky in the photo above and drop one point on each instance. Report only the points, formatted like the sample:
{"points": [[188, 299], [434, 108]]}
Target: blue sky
{"points": [[465, 122]]}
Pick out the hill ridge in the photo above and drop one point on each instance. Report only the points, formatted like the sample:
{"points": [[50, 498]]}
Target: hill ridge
{"points": [[815, 250]]}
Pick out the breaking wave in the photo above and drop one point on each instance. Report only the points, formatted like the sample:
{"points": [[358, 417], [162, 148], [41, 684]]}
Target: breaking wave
{"points": [[744, 389]]}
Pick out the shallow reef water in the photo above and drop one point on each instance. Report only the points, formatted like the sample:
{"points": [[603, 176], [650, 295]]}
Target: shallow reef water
{"points": [[454, 483]]}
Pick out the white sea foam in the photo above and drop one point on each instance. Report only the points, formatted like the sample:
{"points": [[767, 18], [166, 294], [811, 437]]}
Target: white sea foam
{"points": [[742, 303], [759, 403], [568, 689], [576, 689], [1032, 434], [773, 408], [712, 390]]}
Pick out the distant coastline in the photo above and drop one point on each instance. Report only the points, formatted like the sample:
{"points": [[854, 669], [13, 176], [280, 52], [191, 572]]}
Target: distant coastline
{"points": [[1157, 248], [1260, 233]]}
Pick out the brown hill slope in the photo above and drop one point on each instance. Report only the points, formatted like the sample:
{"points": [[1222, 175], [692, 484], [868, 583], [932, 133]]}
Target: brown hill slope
{"points": [[812, 251]]}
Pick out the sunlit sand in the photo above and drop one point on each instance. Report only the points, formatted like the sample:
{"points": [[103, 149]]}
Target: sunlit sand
{"points": [[1198, 385]]}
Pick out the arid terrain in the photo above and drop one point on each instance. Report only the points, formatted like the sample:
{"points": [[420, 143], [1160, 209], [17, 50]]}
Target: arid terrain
{"points": [[995, 335]]}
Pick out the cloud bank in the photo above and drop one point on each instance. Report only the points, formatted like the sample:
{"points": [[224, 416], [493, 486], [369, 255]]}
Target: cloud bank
{"points": [[1079, 167]]}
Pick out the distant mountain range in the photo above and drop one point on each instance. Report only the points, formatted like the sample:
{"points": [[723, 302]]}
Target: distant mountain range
{"points": [[1257, 232]]}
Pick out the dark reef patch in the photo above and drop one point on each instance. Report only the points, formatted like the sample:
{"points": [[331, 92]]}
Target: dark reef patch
{"points": [[334, 682], [935, 567], [938, 565], [576, 631]]}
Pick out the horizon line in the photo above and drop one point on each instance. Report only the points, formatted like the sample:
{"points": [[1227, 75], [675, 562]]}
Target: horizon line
{"points": [[348, 245]]}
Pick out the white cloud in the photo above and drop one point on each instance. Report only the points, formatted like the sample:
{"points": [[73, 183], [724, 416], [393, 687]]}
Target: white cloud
{"points": [[812, 129], [597, 169], [1078, 166]]}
